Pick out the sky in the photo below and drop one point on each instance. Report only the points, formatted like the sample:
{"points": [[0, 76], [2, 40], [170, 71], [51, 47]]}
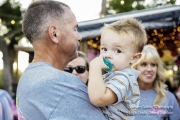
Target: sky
{"points": [[83, 9]]}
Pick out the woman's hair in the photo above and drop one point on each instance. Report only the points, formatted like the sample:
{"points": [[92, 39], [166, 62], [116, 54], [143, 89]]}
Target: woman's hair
{"points": [[150, 54], [131, 26], [83, 55], [40, 15]]}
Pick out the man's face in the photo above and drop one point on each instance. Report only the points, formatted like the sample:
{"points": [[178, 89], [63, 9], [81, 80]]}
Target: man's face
{"points": [[69, 36]]}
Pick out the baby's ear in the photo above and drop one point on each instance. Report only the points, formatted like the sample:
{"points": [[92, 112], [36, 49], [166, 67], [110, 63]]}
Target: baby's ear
{"points": [[136, 57]]}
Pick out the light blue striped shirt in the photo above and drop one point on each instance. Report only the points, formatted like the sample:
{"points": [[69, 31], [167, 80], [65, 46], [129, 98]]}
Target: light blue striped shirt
{"points": [[124, 84]]}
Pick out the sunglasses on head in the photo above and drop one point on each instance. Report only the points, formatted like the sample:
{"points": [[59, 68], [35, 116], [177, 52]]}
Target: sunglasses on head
{"points": [[79, 69]]}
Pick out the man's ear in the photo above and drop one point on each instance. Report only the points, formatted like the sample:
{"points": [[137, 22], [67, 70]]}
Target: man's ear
{"points": [[136, 57], [52, 32]]}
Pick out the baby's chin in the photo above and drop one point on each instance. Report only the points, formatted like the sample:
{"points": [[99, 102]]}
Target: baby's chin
{"points": [[115, 69]]}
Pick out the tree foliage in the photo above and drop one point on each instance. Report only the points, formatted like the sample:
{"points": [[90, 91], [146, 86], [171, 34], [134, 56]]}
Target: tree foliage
{"points": [[157, 3], [10, 19], [129, 5]]}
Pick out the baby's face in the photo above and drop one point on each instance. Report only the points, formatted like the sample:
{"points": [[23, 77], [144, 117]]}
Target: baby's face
{"points": [[118, 48]]}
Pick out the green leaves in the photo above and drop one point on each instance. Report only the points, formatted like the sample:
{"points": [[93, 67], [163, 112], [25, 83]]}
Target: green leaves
{"points": [[120, 6]]}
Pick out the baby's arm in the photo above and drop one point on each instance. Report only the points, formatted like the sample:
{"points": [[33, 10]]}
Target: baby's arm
{"points": [[99, 94]]}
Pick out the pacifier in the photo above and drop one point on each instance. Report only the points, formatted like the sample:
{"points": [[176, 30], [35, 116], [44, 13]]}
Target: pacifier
{"points": [[109, 64]]}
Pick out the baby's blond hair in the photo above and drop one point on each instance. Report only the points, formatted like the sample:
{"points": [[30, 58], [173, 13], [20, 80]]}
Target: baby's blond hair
{"points": [[133, 28]]}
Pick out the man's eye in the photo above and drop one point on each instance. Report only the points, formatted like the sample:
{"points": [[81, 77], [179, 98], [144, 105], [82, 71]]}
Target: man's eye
{"points": [[75, 29]]}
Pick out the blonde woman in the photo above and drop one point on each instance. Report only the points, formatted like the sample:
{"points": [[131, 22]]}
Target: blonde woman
{"points": [[156, 103]]}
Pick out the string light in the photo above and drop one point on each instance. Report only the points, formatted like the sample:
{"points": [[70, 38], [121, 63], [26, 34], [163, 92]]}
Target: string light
{"points": [[102, 15], [12, 22], [122, 2], [156, 37]]}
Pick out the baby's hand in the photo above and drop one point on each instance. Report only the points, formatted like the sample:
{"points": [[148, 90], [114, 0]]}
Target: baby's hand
{"points": [[98, 63]]}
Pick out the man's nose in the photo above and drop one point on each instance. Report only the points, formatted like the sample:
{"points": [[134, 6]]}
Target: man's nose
{"points": [[79, 37]]}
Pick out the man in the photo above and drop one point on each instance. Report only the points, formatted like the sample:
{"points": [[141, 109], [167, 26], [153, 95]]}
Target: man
{"points": [[45, 91]]}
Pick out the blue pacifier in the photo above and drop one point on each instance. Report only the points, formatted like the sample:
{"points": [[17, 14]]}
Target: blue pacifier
{"points": [[109, 64]]}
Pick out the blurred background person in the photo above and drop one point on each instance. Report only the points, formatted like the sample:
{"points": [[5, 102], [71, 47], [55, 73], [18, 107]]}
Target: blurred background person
{"points": [[6, 106], [79, 67], [156, 103]]}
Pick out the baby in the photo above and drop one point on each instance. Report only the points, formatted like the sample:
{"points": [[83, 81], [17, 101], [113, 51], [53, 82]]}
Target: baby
{"points": [[117, 91]]}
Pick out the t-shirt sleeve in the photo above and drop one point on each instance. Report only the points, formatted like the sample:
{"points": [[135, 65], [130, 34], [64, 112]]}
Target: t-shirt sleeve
{"points": [[175, 114], [119, 84]]}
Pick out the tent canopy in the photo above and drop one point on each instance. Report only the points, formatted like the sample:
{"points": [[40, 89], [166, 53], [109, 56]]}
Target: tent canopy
{"points": [[155, 18]]}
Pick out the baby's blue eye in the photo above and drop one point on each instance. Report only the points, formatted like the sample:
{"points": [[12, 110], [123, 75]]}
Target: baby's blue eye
{"points": [[103, 49], [118, 51]]}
